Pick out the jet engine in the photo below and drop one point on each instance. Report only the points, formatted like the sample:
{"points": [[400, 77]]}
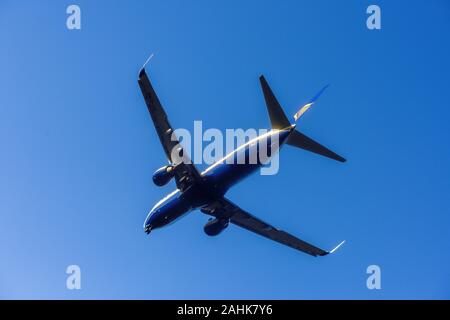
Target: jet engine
{"points": [[215, 226], [163, 175]]}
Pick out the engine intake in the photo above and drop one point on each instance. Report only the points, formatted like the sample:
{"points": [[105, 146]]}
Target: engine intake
{"points": [[215, 226], [163, 175]]}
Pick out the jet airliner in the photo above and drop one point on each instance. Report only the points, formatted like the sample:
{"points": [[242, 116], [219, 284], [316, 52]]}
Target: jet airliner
{"points": [[206, 190]]}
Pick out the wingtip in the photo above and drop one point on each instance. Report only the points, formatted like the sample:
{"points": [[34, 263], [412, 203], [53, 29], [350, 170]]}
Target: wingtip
{"points": [[316, 97], [142, 71], [337, 247], [261, 78]]}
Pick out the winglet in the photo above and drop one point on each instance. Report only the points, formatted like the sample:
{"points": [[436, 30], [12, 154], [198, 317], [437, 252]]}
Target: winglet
{"points": [[142, 71], [332, 251], [319, 94], [337, 247], [308, 105]]}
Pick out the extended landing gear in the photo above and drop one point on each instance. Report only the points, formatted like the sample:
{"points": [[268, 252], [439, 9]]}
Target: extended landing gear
{"points": [[148, 229]]}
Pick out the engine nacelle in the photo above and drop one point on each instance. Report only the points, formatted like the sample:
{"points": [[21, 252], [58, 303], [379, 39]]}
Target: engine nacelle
{"points": [[163, 175], [215, 226]]}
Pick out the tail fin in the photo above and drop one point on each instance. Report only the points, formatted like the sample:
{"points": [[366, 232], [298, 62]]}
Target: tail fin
{"points": [[306, 107], [278, 118], [299, 140]]}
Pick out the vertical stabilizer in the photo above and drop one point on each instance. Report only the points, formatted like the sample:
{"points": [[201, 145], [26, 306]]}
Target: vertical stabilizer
{"points": [[278, 118]]}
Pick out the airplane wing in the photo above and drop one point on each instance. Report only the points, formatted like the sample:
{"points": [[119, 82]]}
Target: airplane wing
{"points": [[185, 172], [225, 209]]}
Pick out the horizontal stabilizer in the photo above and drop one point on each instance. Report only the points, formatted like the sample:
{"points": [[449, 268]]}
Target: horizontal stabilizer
{"points": [[299, 140]]}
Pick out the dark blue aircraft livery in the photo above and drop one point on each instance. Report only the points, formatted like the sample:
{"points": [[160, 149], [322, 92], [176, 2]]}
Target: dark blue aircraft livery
{"points": [[206, 190]]}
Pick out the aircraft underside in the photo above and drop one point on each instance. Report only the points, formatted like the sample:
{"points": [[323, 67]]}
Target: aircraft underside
{"points": [[206, 190]]}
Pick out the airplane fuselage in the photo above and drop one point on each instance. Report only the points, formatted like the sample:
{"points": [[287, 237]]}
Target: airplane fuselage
{"points": [[218, 178]]}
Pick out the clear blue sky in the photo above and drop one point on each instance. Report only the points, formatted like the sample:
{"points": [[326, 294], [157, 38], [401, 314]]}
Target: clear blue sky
{"points": [[78, 148]]}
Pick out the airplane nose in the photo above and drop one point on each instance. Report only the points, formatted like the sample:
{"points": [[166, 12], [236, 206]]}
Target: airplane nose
{"points": [[148, 228], [149, 222], [148, 225]]}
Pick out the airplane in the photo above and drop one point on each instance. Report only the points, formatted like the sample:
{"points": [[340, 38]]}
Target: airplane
{"points": [[206, 190]]}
